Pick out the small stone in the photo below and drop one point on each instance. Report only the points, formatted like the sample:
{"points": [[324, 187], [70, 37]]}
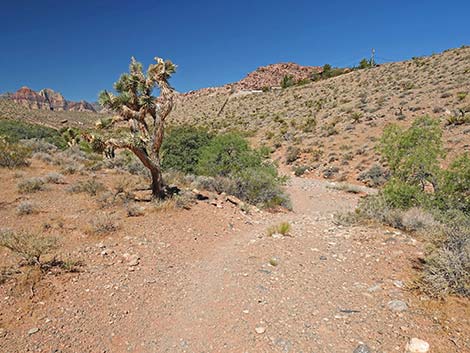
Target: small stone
{"points": [[273, 261], [33, 330], [260, 329], [399, 284], [417, 345], [323, 258], [133, 260], [362, 348], [397, 305], [277, 235]]}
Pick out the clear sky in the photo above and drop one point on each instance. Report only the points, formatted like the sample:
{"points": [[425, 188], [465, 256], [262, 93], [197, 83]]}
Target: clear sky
{"points": [[81, 47]]}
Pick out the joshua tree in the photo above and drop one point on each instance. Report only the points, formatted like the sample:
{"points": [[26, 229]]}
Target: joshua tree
{"points": [[144, 113]]}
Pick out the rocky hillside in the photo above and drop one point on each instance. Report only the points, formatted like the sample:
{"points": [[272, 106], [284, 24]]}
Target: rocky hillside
{"points": [[47, 99], [330, 127], [271, 75]]}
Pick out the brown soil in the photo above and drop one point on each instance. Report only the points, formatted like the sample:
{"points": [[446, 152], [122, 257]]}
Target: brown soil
{"points": [[205, 282]]}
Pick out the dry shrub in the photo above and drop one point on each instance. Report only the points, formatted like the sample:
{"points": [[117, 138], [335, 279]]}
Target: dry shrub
{"points": [[134, 210], [30, 247], [103, 224], [446, 269], [54, 178], [416, 219], [31, 185], [26, 208], [91, 187]]}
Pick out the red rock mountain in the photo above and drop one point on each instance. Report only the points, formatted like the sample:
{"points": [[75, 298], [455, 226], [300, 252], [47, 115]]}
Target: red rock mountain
{"points": [[48, 99], [271, 75]]}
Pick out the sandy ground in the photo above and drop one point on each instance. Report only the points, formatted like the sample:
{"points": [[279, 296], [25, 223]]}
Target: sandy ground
{"points": [[209, 279]]}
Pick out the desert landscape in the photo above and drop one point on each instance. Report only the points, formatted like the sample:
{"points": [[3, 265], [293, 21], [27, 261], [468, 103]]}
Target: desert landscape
{"points": [[302, 208]]}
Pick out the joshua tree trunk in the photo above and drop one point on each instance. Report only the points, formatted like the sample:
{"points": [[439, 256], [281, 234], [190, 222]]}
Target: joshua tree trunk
{"points": [[158, 190]]}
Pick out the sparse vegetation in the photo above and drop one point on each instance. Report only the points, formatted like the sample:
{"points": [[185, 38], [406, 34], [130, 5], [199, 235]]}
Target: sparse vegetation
{"points": [[30, 247], [13, 155], [31, 185]]}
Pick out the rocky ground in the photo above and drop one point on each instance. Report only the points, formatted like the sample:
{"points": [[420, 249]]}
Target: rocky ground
{"points": [[210, 279]]}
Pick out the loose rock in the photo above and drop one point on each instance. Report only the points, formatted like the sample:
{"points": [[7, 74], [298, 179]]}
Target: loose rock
{"points": [[362, 348], [417, 345], [397, 305]]}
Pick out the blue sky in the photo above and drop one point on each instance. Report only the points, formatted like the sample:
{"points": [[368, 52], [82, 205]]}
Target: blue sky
{"points": [[81, 47]]}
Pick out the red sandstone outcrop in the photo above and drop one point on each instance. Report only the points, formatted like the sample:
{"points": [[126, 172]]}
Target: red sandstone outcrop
{"points": [[47, 99]]}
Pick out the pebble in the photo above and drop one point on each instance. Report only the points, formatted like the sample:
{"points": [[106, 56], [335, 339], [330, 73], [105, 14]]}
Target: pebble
{"points": [[397, 305], [260, 329], [362, 348], [33, 330], [417, 345], [133, 260]]}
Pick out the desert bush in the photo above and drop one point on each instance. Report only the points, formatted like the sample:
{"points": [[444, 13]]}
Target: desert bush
{"points": [[15, 131], [300, 170], [26, 208], [417, 219], [446, 269], [226, 155], [134, 210], [54, 178], [28, 246], [413, 154], [91, 187], [454, 191], [181, 148], [39, 146], [13, 155], [31, 185], [287, 81], [103, 224], [292, 154], [375, 176]]}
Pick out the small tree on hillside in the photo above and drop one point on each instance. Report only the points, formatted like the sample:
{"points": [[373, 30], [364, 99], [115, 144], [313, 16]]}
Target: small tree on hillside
{"points": [[144, 113]]}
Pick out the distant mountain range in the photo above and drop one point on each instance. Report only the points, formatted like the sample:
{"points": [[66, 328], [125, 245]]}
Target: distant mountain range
{"points": [[48, 99]]}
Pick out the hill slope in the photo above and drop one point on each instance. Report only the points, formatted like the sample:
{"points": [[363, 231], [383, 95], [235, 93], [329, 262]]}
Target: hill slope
{"points": [[335, 122]]}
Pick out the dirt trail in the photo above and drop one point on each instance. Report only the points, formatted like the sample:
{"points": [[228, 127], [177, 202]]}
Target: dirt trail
{"points": [[328, 293], [205, 283]]}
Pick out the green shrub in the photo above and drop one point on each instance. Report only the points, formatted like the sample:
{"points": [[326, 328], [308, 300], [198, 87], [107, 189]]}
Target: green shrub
{"points": [[181, 148], [413, 154], [454, 191], [15, 131], [399, 194], [287, 81], [226, 155], [13, 155]]}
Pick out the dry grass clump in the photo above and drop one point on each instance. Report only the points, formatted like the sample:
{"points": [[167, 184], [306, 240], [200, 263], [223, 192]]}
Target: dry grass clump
{"points": [[31, 185], [416, 219], [26, 208], [180, 201], [91, 187], [134, 210], [30, 247], [103, 224], [282, 228]]}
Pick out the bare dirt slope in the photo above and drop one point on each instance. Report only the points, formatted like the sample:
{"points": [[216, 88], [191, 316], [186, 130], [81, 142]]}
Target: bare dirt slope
{"points": [[209, 279]]}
